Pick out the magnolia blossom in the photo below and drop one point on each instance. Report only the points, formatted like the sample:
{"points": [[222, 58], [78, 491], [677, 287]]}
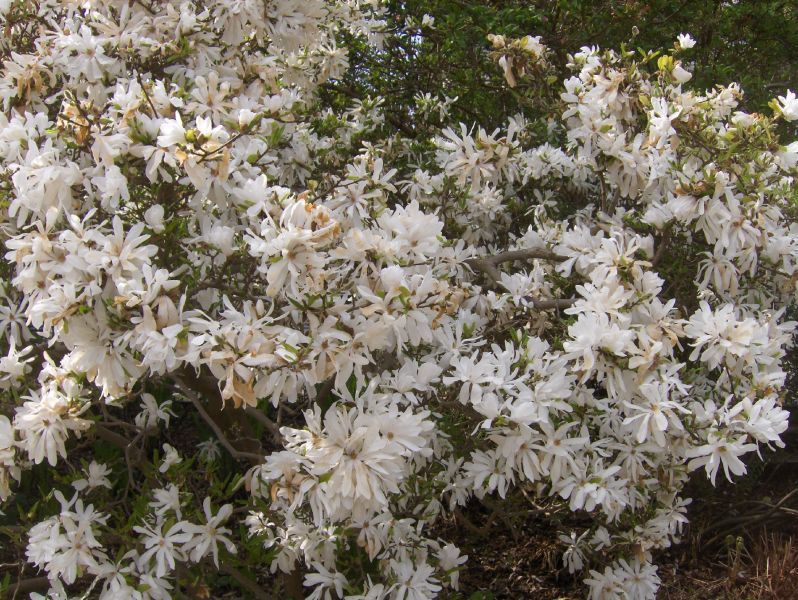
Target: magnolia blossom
{"points": [[170, 458], [788, 105], [8, 468], [96, 476], [208, 536], [685, 41], [165, 547], [720, 452]]}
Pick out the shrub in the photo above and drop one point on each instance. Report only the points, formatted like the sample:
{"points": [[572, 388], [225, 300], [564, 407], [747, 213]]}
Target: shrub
{"points": [[251, 326]]}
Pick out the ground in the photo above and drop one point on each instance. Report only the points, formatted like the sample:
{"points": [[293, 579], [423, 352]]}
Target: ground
{"points": [[741, 544]]}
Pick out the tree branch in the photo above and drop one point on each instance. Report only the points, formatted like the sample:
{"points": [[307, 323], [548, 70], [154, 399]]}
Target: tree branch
{"points": [[245, 582], [488, 265], [554, 304], [270, 425], [111, 437], [132, 454], [24, 586], [236, 454], [234, 421]]}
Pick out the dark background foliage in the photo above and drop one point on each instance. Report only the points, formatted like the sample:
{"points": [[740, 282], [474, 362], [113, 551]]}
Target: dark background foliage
{"points": [[752, 42]]}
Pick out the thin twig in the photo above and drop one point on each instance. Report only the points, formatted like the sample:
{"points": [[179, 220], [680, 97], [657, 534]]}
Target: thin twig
{"points": [[147, 96], [111, 437], [270, 425], [236, 454], [725, 526], [475, 529], [133, 462]]}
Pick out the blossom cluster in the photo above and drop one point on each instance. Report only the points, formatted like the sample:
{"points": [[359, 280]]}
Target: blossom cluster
{"points": [[586, 311]]}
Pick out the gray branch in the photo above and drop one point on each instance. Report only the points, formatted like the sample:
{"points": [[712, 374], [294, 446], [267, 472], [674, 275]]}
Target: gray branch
{"points": [[489, 266]]}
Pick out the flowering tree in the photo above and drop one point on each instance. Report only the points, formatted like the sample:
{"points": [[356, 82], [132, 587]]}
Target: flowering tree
{"points": [[249, 329]]}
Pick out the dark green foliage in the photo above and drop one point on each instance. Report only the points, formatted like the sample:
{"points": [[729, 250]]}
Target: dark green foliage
{"points": [[748, 41]]}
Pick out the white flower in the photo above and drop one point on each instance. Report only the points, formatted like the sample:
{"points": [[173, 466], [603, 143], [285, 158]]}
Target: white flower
{"points": [[166, 499], [788, 106], [592, 334], [653, 413], [491, 468], [326, 581], [170, 458], [360, 465], [415, 582], [65, 544], [12, 368], [222, 237], [172, 132], [606, 585], [123, 254], [450, 561], [96, 476], [209, 450], [717, 452], [309, 255], [44, 423], [164, 547], [152, 412], [680, 74], [720, 337], [245, 117], [154, 217], [685, 41], [8, 468], [573, 557], [640, 579], [13, 321], [206, 538]]}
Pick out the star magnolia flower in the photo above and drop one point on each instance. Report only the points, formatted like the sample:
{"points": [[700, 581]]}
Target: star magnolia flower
{"points": [[788, 105], [170, 458], [8, 468], [165, 548], [718, 452], [96, 476], [206, 538], [172, 132], [685, 41], [451, 561], [326, 581], [415, 582], [44, 423], [166, 499]]}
